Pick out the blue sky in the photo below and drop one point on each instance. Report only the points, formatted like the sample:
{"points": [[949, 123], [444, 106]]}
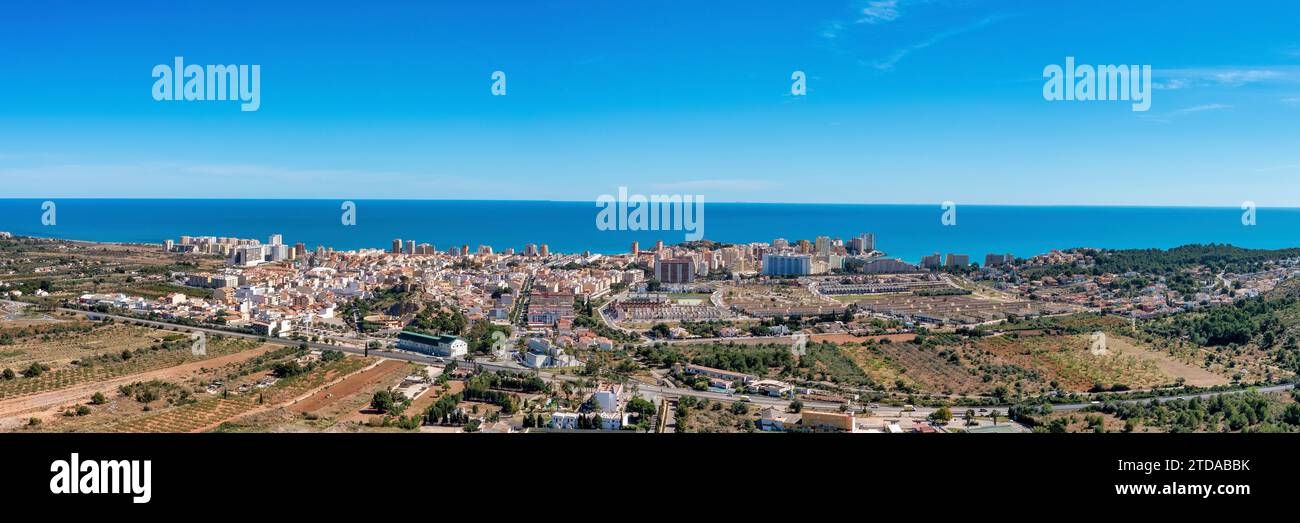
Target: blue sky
{"points": [[908, 101]]}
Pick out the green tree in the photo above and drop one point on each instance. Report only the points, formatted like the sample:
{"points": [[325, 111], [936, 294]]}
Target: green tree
{"points": [[382, 401], [942, 415], [641, 406], [661, 331], [35, 369]]}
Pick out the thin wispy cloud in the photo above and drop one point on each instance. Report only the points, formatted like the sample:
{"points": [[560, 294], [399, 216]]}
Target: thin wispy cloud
{"points": [[1200, 109], [1166, 117], [879, 11], [898, 55], [1173, 84], [885, 12], [874, 12], [831, 30], [1227, 76], [1238, 78]]}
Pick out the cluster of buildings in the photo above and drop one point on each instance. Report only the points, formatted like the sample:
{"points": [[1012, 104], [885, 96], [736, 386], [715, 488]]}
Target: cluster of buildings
{"points": [[738, 382], [659, 307], [238, 251], [411, 248], [541, 352], [820, 256], [281, 290], [1132, 293], [609, 414], [780, 257], [272, 300]]}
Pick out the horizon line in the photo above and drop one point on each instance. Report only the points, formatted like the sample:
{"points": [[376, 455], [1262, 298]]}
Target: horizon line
{"points": [[592, 201]]}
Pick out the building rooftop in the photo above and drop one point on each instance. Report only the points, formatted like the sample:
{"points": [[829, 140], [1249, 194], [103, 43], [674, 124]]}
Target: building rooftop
{"points": [[427, 338]]}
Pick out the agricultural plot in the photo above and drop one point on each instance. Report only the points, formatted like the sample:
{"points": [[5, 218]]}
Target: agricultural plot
{"points": [[1027, 361], [1072, 323], [211, 412], [60, 342], [141, 360], [354, 391], [827, 362], [914, 368], [188, 418], [1068, 361]]}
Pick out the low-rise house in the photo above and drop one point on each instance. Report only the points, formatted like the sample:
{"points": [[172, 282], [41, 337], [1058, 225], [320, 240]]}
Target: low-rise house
{"points": [[772, 388], [610, 420], [564, 420]]}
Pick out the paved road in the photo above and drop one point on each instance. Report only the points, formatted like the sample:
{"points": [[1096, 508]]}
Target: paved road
{"points": [[1205, 395]]}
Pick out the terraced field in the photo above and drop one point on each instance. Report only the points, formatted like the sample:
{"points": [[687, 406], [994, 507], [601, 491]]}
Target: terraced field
{"points": [[917, 368], [64, 341], [210, 412], [141, 361], [189, 418]]}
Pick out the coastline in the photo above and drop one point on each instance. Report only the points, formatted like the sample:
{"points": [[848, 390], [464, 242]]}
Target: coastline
{"points": [[908, 232]]}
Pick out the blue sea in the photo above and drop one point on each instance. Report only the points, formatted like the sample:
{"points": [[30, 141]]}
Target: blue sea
{"points": [[905, 231]]}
